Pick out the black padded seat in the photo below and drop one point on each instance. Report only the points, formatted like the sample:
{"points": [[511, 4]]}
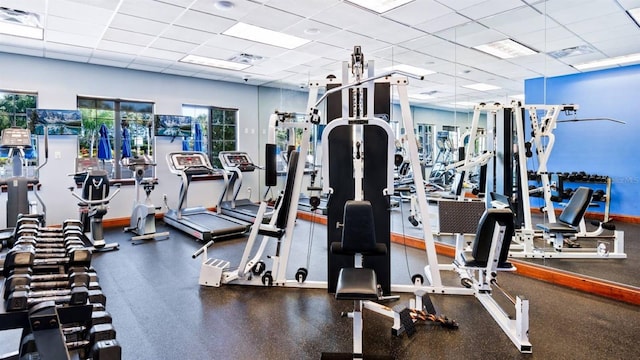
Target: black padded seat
{"points": [[358, 237], [276, 233], [357, 284], [479, 255], [572, 214]]}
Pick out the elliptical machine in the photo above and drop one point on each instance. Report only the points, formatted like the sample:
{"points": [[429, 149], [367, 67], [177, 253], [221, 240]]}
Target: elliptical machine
{"points": [[93, 203], [143, 217]]}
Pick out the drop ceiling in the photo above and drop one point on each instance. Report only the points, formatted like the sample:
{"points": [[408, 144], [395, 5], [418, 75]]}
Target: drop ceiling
{"points": [[437, 35]]}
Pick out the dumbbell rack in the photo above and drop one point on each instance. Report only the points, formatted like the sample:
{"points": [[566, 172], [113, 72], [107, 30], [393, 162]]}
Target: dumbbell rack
{"points": [[51, 330]]}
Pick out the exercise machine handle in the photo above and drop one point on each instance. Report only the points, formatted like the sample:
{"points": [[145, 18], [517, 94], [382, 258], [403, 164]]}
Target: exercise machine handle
{"points": [[96, 202], [201, 250]]}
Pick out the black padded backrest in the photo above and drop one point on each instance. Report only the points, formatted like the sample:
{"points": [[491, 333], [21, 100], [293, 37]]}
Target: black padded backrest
{"points": [[577, 206], [271, 165], [484, 235], [358, 232], [95, 185], [285, 204]]}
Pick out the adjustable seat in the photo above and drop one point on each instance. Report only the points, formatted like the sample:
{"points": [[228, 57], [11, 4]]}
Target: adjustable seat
{"points": [[357, 283], [570, 217], [491, 219]]}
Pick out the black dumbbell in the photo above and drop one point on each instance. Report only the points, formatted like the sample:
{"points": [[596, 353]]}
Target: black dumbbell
{"points": [[46, 246], [26, 282], [25, 256], [22, 300], [106, 350], [599, 195]]}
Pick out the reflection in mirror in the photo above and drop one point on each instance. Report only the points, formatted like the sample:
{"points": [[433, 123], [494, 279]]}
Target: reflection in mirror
{"points": [[14, 109]]}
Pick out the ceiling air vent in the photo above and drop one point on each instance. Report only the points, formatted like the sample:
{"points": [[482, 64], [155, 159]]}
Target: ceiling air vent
{"points": [[245, 58], [572, 51]]}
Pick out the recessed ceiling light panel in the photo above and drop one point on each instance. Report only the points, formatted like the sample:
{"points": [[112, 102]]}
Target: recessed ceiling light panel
{"points": [[505, 49], [610, 62], [409, 69], [380, 6], [265, 36], [481, 87]]}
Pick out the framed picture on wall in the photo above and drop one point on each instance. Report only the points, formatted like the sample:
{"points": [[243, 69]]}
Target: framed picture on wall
{"points": [[173, 125], [58, 122]]}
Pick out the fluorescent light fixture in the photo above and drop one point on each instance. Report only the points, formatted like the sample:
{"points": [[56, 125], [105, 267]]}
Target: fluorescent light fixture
{"points": [[619, 60], [635, 15], [481, 87], [20, 23], [505, 49], [420, 96], [380, 6], [409, 69], [217, 63], [466, 103], [265, 36]]}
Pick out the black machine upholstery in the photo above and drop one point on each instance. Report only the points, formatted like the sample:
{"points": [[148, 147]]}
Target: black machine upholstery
{"points": [[285, 201], [358, 237], [479, 255], [572, 214], [95, 185]]}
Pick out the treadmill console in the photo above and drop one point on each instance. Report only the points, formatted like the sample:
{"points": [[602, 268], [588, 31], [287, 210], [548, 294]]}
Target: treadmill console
{"points": [[191, 162], [15, 138], [236, 160]]}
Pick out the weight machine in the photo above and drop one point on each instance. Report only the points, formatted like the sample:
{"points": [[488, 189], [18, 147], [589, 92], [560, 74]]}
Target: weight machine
{"points": [[542, 143]]}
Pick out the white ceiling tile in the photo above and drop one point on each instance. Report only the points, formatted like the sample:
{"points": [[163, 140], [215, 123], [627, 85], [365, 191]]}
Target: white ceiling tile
{"points": [[344, 16], [162, 54], [152, 10], [417, 12], [71, 39], [21, 50], [68, 49], [612, 33], [483, 36], [629, 4], [347, 40], [387, 30], [119, 47], [108, 62], [79, 11], [74, 26], [128, 37], [603, 23], [490, 7], [143, 60], [302, 27], [442, 23], [270, 18], [173, 45], [136, 24], [66, 56], [569, 11], [104, 4], [204, 22], [297, 57], [321, 62], [328, 51], [518, 21], [144, 67], [186, 35], [620, 46], [228, 42], [115, 56], [306, 8], [179, 72], [264, 50], [240, 8]]}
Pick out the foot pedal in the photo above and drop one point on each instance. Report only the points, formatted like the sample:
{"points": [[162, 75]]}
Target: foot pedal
{"points": [[211, 272], [407, 322]]}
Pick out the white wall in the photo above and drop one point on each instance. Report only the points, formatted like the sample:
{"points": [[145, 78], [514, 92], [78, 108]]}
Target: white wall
{"points": [[58, 83]]}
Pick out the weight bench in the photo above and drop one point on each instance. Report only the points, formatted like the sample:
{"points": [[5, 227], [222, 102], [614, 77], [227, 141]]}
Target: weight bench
{"points": [[357, 283], [569, 219]]}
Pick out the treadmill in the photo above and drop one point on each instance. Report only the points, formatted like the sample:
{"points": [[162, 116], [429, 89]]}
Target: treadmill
{"points": [[236, 163], [198, 222]]}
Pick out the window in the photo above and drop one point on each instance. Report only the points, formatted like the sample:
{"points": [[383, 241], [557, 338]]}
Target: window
{"points": [[13, 112], [13, 109], [128, 126], [218, 128]]}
